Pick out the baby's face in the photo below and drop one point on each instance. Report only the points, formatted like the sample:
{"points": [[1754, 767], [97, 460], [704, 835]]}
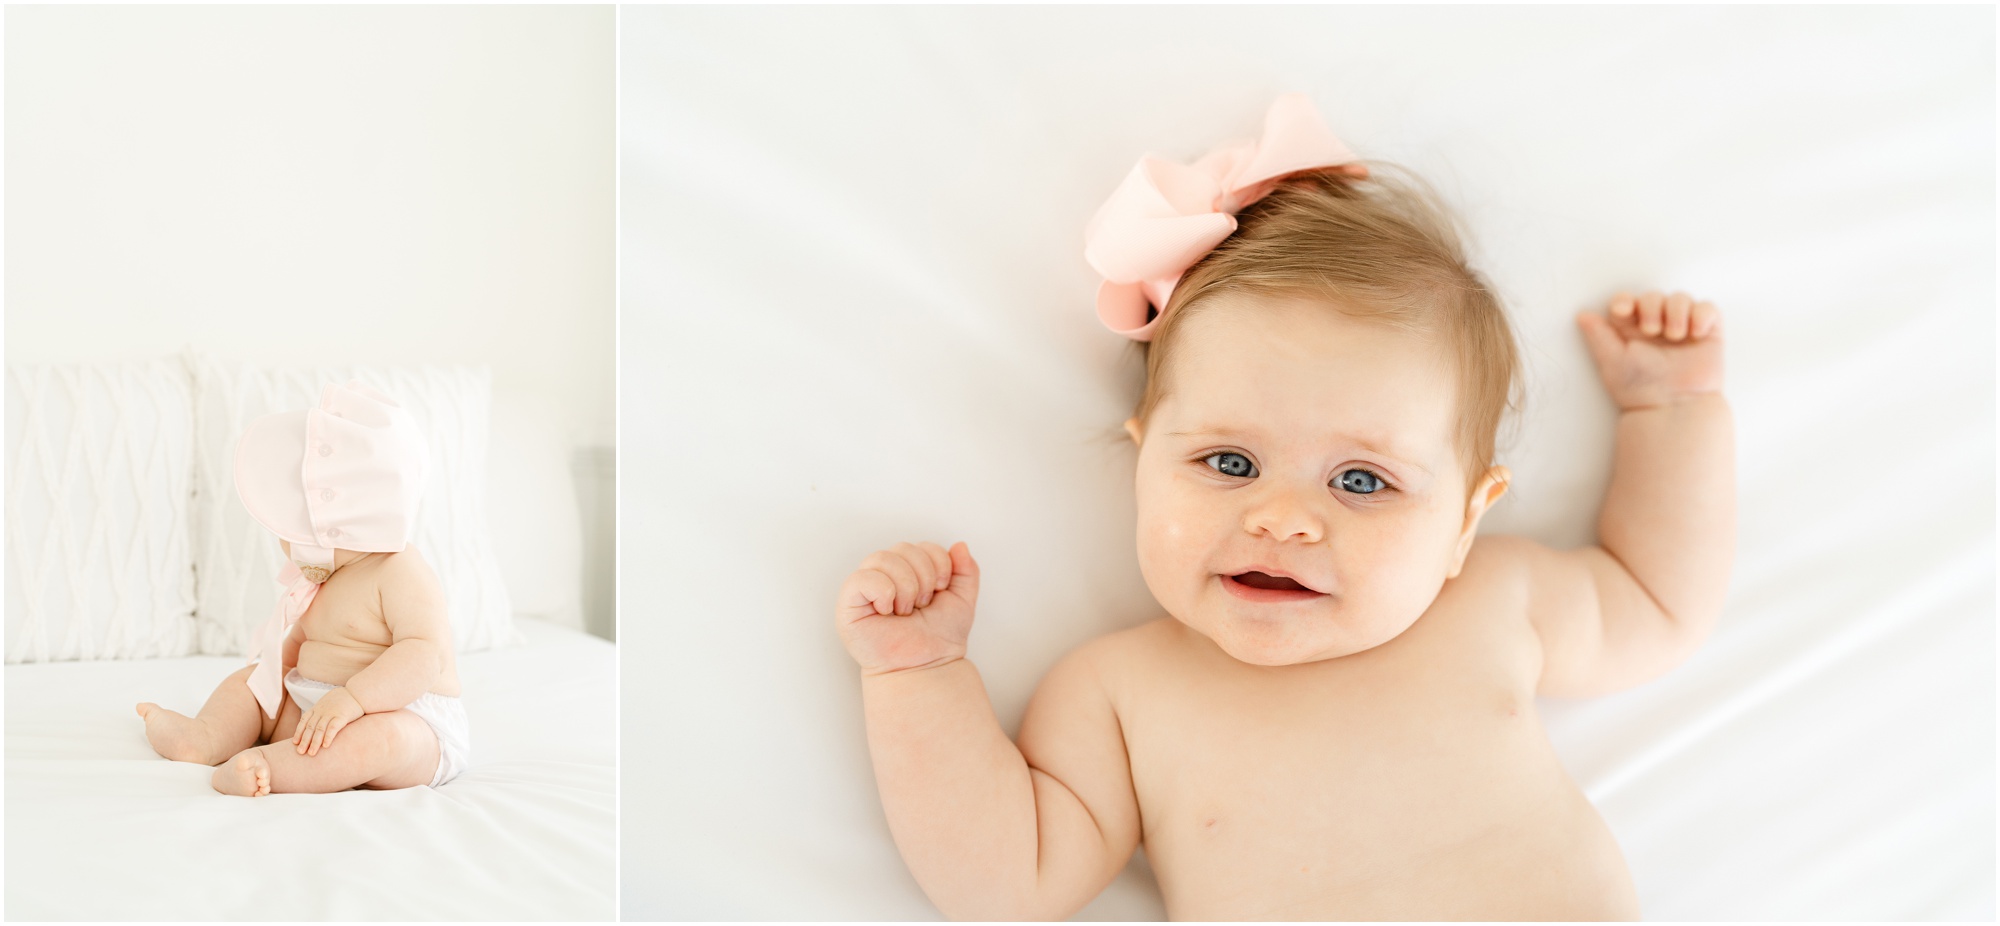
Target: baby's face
{"points": [[1255, 462]]}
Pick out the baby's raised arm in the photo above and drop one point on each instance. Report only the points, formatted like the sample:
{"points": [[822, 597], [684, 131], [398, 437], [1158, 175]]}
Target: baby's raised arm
{"points": [[990, 830], [1643, 599]]}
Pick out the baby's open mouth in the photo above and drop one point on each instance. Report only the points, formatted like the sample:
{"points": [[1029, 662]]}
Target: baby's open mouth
{"points": [[1277, 583], [1265, 588]]}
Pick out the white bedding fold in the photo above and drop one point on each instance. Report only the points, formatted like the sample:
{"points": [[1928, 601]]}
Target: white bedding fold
{"points": [[98, 827]]}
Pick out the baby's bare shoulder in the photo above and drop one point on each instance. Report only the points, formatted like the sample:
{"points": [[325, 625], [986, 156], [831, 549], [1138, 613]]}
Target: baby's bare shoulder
{"points": [[411, 594], [1116, 660], [1492, 587], [1496, 562], [1133, 643], [1489, 604], [404, 571]]}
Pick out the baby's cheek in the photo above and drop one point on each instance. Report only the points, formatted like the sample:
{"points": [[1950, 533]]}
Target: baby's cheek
{"points": [[1164, 522], [1163, 551], [1157, 548], [1396, 578]]}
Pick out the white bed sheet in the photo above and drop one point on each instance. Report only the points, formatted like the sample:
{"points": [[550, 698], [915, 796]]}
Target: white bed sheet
{"points": [[856, 312], [99, 827]]}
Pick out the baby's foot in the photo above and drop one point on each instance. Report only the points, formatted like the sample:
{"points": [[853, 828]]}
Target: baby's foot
{"points": [[176, 736], [247, 776]]}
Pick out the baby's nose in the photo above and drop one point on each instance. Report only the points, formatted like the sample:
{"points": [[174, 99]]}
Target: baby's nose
{"points": [[1284, 515]]}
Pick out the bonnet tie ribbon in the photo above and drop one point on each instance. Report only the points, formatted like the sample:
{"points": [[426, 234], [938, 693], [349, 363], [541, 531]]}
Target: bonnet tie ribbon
{"points": [[1165, 216], [267, 680]]}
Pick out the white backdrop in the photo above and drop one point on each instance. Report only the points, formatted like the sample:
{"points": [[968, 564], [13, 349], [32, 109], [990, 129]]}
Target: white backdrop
{"points": [[856, 312], [327, 185], [318, 184]]}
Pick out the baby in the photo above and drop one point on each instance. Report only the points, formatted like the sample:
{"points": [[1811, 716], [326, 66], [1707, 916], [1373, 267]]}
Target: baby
{"points": [[1335, 720], [352, 682]]}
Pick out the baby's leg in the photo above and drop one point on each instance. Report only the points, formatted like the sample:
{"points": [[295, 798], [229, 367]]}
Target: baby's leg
{"points": [[392, 749], [228, 723]]}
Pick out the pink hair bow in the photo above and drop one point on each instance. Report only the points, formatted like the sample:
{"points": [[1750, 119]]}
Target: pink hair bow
{"points": [[267, 681], [1165, 216]]}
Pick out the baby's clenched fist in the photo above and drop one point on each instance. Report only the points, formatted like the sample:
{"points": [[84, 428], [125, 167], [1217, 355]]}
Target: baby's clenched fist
{"points": [[1656, 348], [908, 607]]}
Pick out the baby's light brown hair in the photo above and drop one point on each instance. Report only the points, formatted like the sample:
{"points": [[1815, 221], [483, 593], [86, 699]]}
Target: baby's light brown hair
{"points": [[1382, 249]]}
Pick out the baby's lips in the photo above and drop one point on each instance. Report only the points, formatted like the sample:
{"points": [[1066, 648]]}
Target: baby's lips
{"points": [[1303, 584]]}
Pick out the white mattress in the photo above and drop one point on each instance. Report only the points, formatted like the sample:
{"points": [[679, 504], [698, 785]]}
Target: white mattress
{"points": [[856, 312], [100, 827]]}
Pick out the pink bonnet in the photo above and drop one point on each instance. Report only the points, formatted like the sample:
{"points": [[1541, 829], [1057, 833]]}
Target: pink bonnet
{"points": [[347, 474]]}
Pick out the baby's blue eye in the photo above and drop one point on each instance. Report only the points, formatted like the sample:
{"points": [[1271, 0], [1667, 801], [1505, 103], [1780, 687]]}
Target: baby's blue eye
{"points": [[1356, 485], [1231, 464]]}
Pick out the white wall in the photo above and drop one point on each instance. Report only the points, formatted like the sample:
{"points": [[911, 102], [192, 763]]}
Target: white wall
{"points": [[382, 185], [340, 184]]}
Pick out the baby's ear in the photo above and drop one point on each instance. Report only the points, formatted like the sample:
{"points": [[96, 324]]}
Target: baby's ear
{"points": [[1132, 428], [1491, 487], [1500, 479]]}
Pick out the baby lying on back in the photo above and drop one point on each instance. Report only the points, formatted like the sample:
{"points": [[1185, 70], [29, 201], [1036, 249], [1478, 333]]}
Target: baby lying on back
{"points": [[1334, 717], [353, 681]]}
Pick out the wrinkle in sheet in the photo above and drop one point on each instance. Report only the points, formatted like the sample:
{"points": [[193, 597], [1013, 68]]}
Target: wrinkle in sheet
{"points": [[1968, 571]]}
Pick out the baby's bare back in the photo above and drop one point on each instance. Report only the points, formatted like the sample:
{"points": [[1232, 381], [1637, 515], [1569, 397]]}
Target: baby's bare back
{"points": [[345, 631], [1408, 781]]}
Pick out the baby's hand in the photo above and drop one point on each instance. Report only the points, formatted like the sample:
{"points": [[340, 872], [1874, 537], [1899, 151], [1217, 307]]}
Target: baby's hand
{"points": [[335, 709], [1655, 349], [908, 607]]}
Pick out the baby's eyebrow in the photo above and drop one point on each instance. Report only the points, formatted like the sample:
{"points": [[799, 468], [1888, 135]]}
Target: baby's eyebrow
{"points": [[1364, 443], [1197, 432]]}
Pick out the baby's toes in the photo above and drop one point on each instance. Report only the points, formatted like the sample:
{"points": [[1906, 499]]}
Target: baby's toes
{"points": [[248, 776]]}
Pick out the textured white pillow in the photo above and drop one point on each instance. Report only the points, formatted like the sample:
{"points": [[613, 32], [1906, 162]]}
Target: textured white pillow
{"points": [[99, 476], [236, 558]]}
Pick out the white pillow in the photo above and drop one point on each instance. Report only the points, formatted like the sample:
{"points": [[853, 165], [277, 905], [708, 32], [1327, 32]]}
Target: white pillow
{"points": [[99, 475], [237, 559]]}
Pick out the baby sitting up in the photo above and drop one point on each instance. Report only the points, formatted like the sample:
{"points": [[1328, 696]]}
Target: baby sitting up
{"points": [[1334, 718], [353, 682]]}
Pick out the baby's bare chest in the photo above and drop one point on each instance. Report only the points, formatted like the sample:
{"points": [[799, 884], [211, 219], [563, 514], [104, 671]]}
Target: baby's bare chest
{"points": [[346, 613], [1410, 781]]}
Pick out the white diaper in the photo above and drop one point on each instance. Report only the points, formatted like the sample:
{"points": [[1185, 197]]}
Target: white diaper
{"points": [[445, 715]]}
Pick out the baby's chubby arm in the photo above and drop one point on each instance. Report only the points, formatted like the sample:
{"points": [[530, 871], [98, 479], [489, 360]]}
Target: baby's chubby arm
{"points": [[420, 635], [1644, 598], [990, 830], [412, 602]]}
